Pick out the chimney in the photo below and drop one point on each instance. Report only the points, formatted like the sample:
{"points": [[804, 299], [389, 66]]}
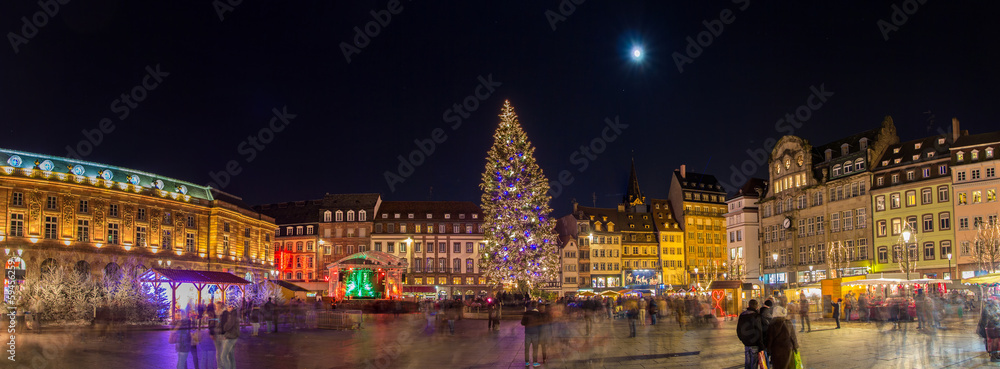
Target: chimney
{"points": [[955, 132], [683, 171]]}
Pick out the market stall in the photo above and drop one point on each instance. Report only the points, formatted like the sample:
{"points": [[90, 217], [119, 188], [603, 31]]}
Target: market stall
{"points": [[724, 303]]}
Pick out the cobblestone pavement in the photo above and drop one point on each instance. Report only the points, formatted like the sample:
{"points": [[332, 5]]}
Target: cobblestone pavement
{"points": [[407, 342]]}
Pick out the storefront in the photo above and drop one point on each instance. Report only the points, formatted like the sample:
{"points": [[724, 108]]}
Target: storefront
{"points": [[613, 281]]}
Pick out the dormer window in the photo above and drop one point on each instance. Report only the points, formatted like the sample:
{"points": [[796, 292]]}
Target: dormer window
{"points": [[327, 216], [844, 149], [859, 164], [848, 167], [975, 154], [461, 216], [989, 152], [829, 154], [863, 143], [409, 216], [447, 216], [885, 162], [395, 216], [340, 216], [350, 215], [930, 154], [428, 215], [836, 170], [941, 141], [897, 160], [895, 150], [916, 157], [917, 145], [960, 156], [475, 216], [384, 215]]}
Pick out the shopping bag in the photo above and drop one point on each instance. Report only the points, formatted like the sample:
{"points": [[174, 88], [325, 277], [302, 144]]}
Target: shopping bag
{"points": [[761, 360], [797, 361]]}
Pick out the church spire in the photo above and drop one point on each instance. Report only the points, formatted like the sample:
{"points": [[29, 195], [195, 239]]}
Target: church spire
{"points": [[633, 196]]}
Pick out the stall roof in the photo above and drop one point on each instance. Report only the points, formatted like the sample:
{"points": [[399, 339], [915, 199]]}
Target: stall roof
{"points": [[725, 285], [290, 286], [198, 276]]}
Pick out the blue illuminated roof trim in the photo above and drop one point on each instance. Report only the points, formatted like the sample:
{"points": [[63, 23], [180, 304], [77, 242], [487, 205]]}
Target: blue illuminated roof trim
{"points": [[93, 170]]}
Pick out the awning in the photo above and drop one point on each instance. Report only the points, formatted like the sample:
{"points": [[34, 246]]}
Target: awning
{"points": [[983, 279], [419, 289], [197, 276]]}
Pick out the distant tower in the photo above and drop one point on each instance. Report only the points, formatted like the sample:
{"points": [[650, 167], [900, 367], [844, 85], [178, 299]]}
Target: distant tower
{"points": [[633, 199]]}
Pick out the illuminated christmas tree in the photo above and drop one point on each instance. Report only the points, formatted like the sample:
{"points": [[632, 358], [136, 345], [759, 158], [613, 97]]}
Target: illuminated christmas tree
{"points": [[521, 245]]}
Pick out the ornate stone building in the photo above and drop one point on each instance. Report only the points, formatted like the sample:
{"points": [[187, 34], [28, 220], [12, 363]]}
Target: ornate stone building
{"points": [[817, 205], [93, 217], [698, 202]]}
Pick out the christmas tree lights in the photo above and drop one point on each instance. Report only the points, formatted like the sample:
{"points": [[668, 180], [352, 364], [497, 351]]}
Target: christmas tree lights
{"points": [[521, 247]]}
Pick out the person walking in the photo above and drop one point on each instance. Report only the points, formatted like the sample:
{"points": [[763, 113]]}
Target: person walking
{"points": [[255, 319], [849, 306], [643, 306], [781, 344], [532, 332], [750, 331], [989, 329], [216, 315], [632, 314], [231, 332], [270, 317], [652, 312], [804, 314], [180, 336], [195, 337], [545, 330], [836, 312], [863, 305]]}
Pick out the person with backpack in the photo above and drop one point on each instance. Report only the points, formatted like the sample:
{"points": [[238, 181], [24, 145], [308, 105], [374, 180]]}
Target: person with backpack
{"points": [[532, 322], [632, 314], [750, 331]]}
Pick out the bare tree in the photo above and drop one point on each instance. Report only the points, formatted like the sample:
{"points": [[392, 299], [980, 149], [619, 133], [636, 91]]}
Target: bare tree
{"points": [[905, 255], [837, 257], [986, 246], [737, 268]]}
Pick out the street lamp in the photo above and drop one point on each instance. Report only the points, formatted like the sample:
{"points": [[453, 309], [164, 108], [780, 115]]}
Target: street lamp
{"points": [[905, 249], [810, 273], [775, 257], [951, 275], [696, 279]]}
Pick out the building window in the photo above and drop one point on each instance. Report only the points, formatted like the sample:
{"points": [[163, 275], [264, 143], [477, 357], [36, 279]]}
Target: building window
{"points": [[113, 210], [350, 215], [883, 255], [456, 247], [113, 234], [140, 214], [944, 220], [17, 199], [16, 225], [362, 216], [140, 236], [929, 251], [945, 248], [166, 240], [340, 216], [51, 228], [82, 230], [894, 201], [960, 175], [309, 246], [880, 228], [309, 230], [928, 221], [926, 197], [327, 216], [962, 200], [943, 194], [189, 242], [83, 207], [190, 221], [51, 203], [442, 247], [911, 198]]}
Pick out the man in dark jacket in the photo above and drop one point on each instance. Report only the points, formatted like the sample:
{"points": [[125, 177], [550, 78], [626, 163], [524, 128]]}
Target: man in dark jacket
{"points": [[270, 316], [532, 322], [836, 312], [231, 331], [750, 330]]}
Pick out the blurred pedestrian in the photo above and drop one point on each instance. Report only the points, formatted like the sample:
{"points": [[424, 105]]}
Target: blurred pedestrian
{"points": [[532, 334], [836, 312], [255, 319], [180, 336], [231, 332], [643, 307], [215, 313], [804, 314], [781, 344], [750, 331], [632, 314]]}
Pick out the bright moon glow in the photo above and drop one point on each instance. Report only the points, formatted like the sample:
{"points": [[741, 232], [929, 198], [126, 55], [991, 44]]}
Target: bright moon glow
{"points": [[636, 53]]}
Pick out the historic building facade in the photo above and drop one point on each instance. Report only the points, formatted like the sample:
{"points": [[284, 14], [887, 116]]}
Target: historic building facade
{"points": [[743, 228], [698, 202], [671, 239], [95, 218], [441, 241], [974, 168], [296, 239], [600, 261], [912, 192], [817, 205]]}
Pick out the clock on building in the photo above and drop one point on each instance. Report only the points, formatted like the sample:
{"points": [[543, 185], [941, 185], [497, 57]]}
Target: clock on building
{"points": [[787, 223]]}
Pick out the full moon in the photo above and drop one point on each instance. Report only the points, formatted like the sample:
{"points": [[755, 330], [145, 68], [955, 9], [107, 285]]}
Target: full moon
{"points": [[636, 53]]}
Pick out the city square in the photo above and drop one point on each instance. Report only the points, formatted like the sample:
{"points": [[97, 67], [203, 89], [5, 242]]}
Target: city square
{"points": [[556, 183]]}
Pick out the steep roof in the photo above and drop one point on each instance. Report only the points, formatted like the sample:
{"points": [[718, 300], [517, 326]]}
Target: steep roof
{"points": [[295, 212], [905, 152], [351, 201], [633, 194], [437, 209], [698, 181], [977, 139], [755, 187], [853, 143]]}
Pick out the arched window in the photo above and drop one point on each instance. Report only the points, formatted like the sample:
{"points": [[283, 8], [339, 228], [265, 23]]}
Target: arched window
{"points": [[49, 266], [327, 216], [112, 272], [288, 246], [82, 269], [340, 216], [848, 167], [836, 170], [350, 215], [859, 164], [298, 246], [361, 215]]}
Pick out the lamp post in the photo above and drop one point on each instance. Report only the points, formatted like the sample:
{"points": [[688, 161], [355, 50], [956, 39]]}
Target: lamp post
{"points": [[810, 273], [951, 275], [907, 234], [774, 256], [697, 280]]}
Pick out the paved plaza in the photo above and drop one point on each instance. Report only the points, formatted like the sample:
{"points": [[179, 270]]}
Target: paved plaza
{"points": [[405, 341]]}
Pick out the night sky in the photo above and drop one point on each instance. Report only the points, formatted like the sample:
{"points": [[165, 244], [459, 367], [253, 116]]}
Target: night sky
{"points": [[221, 81]]}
